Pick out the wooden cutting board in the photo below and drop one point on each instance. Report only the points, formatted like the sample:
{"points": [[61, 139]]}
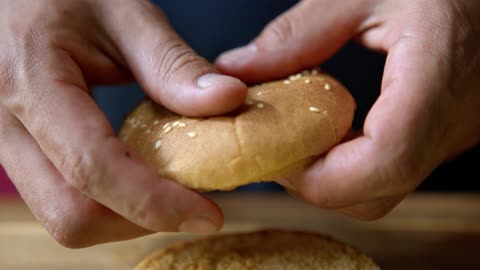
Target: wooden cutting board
{"points": [[426, 231]]}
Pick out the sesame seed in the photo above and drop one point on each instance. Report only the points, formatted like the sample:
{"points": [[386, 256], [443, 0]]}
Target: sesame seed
{"points": [[156, 122], [167, 125], [314, 109], [181, 124], [308, 81], [143, 126], [260, 105], [298, 76], [134, 122], [192, 134], [249, 102], [259, 93], [314, 72], [158, 144], [175, 124], [286, 82], [292, 78], [148, 131], [328, 86], [168, 129], [325, 112]]}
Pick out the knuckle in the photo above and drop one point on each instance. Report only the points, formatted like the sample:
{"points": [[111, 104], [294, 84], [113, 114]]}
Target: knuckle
{"points": [[280, 31], [34, 30], [68, 228], [82, 170], [21, 59], [173, 57]]}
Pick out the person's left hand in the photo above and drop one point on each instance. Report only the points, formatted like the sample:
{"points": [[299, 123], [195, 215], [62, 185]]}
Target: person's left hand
{"points": [[429, 104]]}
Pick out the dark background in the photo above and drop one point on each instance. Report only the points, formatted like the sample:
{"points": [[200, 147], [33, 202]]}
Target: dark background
{"points": [[214, 26]]}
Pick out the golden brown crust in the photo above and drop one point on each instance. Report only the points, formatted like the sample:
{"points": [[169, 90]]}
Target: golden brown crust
{"points": [[266, 249], [281, 127]]}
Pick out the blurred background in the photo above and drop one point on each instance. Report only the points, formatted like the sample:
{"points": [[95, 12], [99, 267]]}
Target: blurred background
{"points": [[214, 26]]}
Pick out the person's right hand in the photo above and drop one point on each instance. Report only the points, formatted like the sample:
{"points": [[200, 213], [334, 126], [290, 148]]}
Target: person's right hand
{"points": [[82, 183]]}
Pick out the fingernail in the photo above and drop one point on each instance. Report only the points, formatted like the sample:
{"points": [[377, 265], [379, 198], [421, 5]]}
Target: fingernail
{"points": [[198, 225], [238, 56], [212, 79]]}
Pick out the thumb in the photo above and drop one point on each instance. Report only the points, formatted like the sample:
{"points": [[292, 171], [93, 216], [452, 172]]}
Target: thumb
{"points": [[169, 71], [302, 37]]}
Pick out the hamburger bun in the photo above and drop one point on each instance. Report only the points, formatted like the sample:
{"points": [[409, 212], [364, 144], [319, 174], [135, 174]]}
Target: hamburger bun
{"points": [[265, 250], [279, 131]]}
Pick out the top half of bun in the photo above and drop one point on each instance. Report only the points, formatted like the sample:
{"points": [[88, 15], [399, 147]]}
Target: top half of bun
{"points": [[281, 126]]}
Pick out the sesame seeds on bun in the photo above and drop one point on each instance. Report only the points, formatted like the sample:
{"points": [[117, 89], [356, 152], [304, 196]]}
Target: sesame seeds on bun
{"points": [[264, 249], [278, 132]]}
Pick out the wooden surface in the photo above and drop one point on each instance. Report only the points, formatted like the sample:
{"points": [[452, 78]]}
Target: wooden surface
{"points": [[426, 231]]}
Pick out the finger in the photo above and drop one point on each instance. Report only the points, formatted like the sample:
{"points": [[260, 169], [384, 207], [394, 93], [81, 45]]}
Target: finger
{"points": [[73, 219], [300, 38], [169, 70], [372, 210], [77, 31], [397, 150], [98, 67], [367, 211], [75, 135]]}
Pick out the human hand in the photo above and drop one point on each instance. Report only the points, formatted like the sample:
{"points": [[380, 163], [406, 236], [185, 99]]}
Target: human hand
{"points": [[82, 183], [430, 98]]}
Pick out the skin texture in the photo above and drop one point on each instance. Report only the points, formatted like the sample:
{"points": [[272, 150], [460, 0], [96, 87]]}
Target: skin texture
{"points": [[429, 104], [81, 182]]}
